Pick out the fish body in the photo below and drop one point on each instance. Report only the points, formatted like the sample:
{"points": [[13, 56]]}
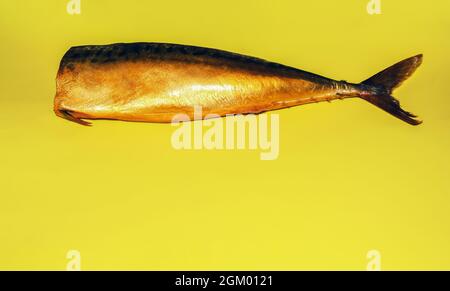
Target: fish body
{"points": [[155, 82]]}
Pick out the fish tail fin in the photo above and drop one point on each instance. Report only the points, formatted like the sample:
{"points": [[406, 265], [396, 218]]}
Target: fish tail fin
{"points": [[378, 88]]}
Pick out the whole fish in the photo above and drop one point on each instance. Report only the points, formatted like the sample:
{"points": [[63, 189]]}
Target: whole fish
{"points": [[155, 82]]}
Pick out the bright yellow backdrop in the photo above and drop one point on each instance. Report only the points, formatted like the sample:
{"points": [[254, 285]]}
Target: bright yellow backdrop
{"points": [[349, 178]]}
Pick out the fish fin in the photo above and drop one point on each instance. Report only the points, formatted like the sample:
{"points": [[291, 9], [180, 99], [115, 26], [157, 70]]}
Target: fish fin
{"points": [[67, 114], [383, 83], [392, 106], [394, 76]]}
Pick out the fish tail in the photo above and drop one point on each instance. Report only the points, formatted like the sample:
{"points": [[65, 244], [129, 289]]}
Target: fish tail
{"points": [[378, 88]]}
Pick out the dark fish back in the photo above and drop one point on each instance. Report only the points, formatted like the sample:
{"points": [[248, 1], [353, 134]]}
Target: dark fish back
{"points": [[118, 52]]}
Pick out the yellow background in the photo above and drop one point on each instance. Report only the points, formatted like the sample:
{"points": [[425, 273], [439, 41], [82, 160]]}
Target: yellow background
{"points": [[350, 178]]}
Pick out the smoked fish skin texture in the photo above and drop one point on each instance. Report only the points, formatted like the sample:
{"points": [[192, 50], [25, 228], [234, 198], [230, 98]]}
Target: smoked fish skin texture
{"points": [[155, 82]]}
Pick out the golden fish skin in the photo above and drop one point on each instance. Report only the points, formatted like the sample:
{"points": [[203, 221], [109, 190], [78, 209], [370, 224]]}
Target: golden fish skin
{"points": [[153, 82]]}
